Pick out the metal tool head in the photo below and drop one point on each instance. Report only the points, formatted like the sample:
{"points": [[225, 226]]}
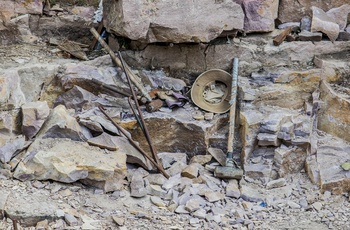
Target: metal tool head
{"points": [[226, 172]]}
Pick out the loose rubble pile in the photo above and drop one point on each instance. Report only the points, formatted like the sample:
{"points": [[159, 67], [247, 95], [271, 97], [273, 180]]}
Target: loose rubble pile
{"points": [[63, 164]]}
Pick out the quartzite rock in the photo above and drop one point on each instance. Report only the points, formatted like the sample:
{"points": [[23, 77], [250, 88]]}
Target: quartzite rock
{"points": [[174, 21], [68, 161], [34, 115]]}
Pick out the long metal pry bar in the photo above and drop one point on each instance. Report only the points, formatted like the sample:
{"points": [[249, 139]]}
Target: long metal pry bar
{"points": [[231, 132]]}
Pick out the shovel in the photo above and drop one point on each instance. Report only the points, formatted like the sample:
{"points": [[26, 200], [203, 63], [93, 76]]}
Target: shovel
{"points": [[230, 169]]}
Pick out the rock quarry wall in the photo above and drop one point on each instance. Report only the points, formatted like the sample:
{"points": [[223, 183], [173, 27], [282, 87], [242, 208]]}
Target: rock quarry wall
{"points": [[289, 111]]}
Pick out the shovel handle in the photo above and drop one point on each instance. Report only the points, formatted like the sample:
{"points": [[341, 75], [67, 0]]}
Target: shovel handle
{"points": [[231, 133]]}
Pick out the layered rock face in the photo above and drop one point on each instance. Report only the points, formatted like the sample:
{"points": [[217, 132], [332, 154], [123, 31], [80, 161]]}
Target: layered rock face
{"points": [[172, 21], [293, 11]]}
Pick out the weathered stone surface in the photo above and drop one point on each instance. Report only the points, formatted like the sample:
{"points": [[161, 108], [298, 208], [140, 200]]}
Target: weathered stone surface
{"points": [[232, 189], [321, 22], [250, 192], [276, 183], [340, 15], [176, 168], [11, 95], [333, 117], [68, 161], [9, 8], [331, 154], [158, 201], [267, 139], [309, 36], [293, 11], [289, 160], [29, 208], [191, 171], [10, 122], [70, 219], [201, 159], [80, 99], [259, 170], [9, 146], [260, 15], [175, 132], [3, 199], [60, 124], [104, 141], [343, 36], [138, 186], [175, 21], [214, 196], [34, 115]]}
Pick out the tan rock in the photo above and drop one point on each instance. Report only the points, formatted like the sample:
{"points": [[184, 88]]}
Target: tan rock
{"points": [[321, 22], [232, 189], [68, 161], [191, 171], [201, 159], [175, 21], [104, 141]]}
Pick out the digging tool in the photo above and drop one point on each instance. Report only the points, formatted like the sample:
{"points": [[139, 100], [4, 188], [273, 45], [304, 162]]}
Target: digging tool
{"points": [[231, 170]]}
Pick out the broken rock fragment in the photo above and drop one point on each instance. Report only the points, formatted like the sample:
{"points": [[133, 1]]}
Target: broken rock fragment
{"points": [[9, 146], [34, 115], [68, 161], [340, 15], [321, 22], [60, 124]]}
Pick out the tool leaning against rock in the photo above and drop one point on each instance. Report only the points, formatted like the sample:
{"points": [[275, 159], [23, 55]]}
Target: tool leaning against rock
{"points": [[231, 170]]}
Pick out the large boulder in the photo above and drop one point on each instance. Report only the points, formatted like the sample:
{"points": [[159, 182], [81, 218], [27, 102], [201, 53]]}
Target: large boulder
{"points": [[293, 11], [68, 161], [172, 21]]}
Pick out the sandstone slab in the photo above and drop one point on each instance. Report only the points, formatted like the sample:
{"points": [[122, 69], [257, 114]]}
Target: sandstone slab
{"points": [[175, 21], [68, 161]]}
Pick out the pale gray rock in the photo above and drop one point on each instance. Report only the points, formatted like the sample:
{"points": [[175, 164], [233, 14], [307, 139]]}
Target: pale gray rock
{"points": [[172, 182], [168, 158], [29, 208], [276, 183], [257, 171], [250, 192], [157, 201], [11, 94], [309, 36], [267, 139], [68, 161], [181, 210], [175, 21], [156, 190], [214, 196], [232, 189], [293, 205], [200, 213], [3, 199], [192, 205], [176, 168], [9, 146], [34, 115], [317, 206], [157, 179], [70, 219], [321, 22], [340, 15], [138, 186]]}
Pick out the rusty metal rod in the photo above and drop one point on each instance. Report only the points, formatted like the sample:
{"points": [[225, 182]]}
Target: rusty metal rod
{"points": [[117, 61], [137, 117], [111, 88], [161, 169], [144, 127]]}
